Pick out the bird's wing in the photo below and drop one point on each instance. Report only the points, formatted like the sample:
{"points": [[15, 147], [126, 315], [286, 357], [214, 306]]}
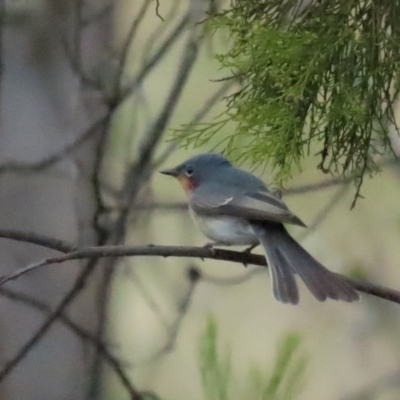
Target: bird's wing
{"points": [[257, 205]]}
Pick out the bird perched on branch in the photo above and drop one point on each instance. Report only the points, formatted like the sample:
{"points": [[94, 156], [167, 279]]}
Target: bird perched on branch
{"points": [[234, 207]]}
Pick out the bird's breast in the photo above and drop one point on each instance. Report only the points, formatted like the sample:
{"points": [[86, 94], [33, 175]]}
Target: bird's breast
{"points": [[224, 229]]}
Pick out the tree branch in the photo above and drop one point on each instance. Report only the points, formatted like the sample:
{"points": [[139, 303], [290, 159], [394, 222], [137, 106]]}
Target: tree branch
{"points": [[85, 335], [39, 240], [58, 155], [97, 252]]}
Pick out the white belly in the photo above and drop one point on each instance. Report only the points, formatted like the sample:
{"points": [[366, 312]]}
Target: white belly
{"points": [[226, 230]]}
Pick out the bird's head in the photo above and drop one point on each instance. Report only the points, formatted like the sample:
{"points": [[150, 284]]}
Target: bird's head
{"points": [[192, 172]]}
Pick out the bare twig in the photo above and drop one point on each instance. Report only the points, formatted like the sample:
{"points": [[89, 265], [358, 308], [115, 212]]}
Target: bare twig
{"points": [[158, 31], [158, 10], [332, 182], [58, 155], [154, 60], [194, 276], [200, 114], [142, 74], [36, 238], [77, 67], [194, 252], [128, 43], [147, 297], [324, 212], [85, 335], [37, 336], [43, 329], [312, 187], [135, 177], [139, 173], [102, 237], [100, 151]]}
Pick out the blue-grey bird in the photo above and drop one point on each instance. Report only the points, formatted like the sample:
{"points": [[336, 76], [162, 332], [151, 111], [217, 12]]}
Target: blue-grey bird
{"points": [[234, 207]]}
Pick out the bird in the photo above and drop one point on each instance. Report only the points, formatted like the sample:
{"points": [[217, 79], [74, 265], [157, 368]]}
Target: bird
{"points": [[233, 207]]}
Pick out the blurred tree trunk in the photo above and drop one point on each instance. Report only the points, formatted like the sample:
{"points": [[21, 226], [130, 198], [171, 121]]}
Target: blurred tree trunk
{"points": [[44, 107]]}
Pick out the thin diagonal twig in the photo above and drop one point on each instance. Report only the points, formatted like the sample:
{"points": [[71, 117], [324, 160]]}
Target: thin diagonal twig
{"points": [[45, 309], [58, 155], [128, 43], [156, 58], [174, 328], [36, 337]]}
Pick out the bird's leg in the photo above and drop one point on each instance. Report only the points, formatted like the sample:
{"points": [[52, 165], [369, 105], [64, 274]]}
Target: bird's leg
{"points": [[250, 248], [248, 251]]}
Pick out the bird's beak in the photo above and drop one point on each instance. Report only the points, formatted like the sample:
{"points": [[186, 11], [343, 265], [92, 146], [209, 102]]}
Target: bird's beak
{"points": [[171, 172]]}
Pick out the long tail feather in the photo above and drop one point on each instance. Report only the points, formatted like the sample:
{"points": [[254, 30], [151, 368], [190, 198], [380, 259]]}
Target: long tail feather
{"points": [[286, 257]]}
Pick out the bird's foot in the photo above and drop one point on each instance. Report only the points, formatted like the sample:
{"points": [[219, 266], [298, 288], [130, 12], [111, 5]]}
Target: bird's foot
{"points": [[248, 251], [250, 248]]}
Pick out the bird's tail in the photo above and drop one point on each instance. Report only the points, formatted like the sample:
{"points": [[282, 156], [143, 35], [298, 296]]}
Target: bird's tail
{"points": [[286, 257]]}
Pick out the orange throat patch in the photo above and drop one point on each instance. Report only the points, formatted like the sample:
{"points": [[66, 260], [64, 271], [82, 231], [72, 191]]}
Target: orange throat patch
{"points": [[186, 184]]}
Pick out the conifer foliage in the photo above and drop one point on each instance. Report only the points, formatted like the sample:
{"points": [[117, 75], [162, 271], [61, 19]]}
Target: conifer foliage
{"points": [[320, 76]]}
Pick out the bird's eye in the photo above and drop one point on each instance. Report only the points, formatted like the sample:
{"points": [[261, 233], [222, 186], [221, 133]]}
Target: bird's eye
{"points": [[189, 171]]}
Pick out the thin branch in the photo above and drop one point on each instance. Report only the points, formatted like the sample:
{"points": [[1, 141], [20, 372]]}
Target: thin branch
{"points": [[137, 281], [136, 176], [68, 149], [326, 184], [102, 234], [159, 31], [85, 335], [158, 10], [153, 61], [37, 336], [128, 43], [193, 275], [312, 187], [324, 212], [139, 173], [58, 155], [200, 114], [36, 238], [77, 68], [100, 151], [43, 329], [244, 258]]}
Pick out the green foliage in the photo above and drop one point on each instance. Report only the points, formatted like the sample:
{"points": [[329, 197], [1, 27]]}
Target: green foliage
{"points": [[284, 382], [323, 75], [215, 374], [286, 379]]}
